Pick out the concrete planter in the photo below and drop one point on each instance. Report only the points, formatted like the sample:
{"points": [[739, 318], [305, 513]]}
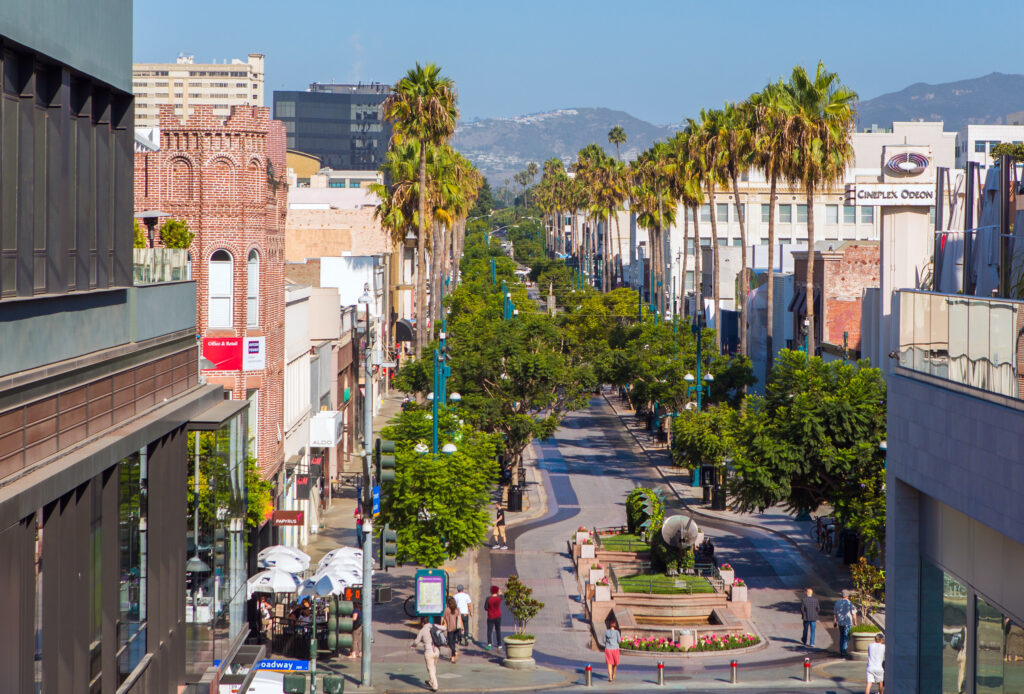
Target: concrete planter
{"points": [[588, 551], [859, 642], [739, 593], [602, 593], [519, 654], [728, 575], [596, 575], [582, 535]]}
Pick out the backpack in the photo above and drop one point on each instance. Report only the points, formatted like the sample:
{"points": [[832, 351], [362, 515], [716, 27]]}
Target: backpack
{"points": [[438, 636]]}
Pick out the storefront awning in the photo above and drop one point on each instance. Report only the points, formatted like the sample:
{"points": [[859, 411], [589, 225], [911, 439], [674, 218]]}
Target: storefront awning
{"points": [[798, 304], [404, 332], [215, 417]]}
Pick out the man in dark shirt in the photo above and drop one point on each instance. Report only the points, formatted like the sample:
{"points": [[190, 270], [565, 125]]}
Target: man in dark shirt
{"points": [[809, 609], [499, 528]]}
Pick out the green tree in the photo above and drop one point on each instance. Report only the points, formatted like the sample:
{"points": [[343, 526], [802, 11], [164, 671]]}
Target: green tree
{"points": [[140, 236], [823, 118], [438, 504], [423, 108], [702, 438], [737, 142], [617, 136], [174, 233]]}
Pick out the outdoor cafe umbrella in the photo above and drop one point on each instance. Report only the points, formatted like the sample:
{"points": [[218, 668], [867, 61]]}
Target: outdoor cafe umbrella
{"points": [[323, 584], [349, 553], [284, 549], [272, 581], [285, 562]]}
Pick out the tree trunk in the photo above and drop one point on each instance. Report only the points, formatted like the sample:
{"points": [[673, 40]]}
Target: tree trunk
{"points": [[769, 333], [744, 282], [714, 266], [618, 235], [809, 280], [436, 262], [421, 257], [698, 277], [686, 261]]}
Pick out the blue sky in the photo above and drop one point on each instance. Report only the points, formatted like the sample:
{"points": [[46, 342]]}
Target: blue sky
{"points": [[659, 61]]}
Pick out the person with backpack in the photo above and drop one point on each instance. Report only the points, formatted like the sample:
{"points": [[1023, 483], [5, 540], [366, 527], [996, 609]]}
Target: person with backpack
{"points": [[427, 637], [493, 607]]}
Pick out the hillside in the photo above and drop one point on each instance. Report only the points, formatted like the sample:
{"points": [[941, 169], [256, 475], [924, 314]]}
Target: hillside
{"points": [[499, 147], [985, 99]]}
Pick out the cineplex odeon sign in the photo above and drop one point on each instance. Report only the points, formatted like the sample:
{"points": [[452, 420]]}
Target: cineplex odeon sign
{"points": [[890, 194]]}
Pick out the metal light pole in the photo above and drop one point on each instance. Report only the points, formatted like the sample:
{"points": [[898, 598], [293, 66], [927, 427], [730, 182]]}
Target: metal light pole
{"points": [[700, 385], [367, 607]]}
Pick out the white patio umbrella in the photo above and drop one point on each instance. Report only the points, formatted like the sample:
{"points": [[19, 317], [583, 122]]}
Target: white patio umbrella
{"points": [[323, 585], [272, 581], [342, 552], [349, 574], [284, 549], [285, 562]]}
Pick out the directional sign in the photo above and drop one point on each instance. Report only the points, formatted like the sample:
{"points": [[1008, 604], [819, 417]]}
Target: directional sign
{"points": [[376, 501]]}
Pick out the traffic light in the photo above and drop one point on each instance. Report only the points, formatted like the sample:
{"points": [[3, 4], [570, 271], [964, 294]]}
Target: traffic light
{"points": [[384, 460], [340, 625], [220, 546], [388, 547]]}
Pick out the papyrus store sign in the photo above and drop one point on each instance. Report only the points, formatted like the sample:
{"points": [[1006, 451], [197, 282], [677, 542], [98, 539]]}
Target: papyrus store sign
{"points": [[891, 194]]}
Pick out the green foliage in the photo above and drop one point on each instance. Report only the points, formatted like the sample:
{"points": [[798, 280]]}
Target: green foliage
{"points": [[217, 497], [636, 513], [175, 234], [813, 439], [865, 628], [1012, 149], [660, 584], [868, 584], [702, 438], [438, 504], [140, 236], [521, 603]]}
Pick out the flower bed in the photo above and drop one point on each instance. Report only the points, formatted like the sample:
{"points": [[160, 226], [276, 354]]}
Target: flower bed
{"points": [[708, 642]]}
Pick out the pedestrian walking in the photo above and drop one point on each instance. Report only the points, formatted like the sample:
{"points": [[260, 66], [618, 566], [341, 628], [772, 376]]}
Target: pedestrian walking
{"points": [[500, 541], [358, 515], [465, 604], [451, 620], [493, 606], [875, 671], [844, 616], [612, 638], [430, 652], [809, 610]]}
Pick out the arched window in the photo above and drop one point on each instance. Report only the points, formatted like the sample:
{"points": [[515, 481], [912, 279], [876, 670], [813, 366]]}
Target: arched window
{"points": [[221, 289], [252, 296]]}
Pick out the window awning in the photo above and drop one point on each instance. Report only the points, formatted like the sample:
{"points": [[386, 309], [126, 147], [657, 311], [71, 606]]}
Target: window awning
{"points": [[215, 417], [404, 332], [798, 304]]}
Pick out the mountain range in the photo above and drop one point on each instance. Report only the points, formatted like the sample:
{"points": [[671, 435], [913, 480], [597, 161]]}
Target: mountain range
{"points": [[499, 147]]}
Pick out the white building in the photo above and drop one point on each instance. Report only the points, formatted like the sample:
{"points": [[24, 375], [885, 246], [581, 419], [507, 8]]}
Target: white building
{"points": [[185, 83], [975, 142]]}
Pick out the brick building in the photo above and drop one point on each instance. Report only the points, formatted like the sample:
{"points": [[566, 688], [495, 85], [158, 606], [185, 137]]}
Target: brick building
{"points": [[226, 179], [842, 273]]}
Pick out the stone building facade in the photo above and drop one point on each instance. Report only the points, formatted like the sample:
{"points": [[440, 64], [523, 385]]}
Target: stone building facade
{"points": [[226, 179]]}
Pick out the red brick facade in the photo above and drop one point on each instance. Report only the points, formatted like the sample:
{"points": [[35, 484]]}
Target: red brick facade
{"points": [[226, 179]]}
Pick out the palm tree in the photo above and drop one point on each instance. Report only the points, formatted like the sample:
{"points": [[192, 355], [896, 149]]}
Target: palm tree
{"points": [[823, 117], [707, 148], [617, 136], [769, 111], [736, 161], [651, 195], [422, 107], [687, 189]]}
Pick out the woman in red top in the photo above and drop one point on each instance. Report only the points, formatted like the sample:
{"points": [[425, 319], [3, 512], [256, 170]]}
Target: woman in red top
{"points": [[493, 606]]}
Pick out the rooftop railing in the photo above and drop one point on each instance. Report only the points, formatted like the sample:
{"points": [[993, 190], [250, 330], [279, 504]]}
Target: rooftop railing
{"points": [[973, 341], [159, 265]]}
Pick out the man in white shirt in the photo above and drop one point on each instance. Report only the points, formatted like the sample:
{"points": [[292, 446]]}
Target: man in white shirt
{"points": [[876, 665], [465, 605]]}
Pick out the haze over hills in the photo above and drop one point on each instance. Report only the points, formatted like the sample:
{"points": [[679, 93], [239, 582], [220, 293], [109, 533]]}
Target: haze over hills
{"points": [[499, 147]]}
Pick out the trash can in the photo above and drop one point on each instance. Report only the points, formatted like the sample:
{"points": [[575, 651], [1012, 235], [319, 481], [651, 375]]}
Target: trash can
{"points": [[707, 494], [718, 499], [334, 684], [515, 498], [294, 684]]}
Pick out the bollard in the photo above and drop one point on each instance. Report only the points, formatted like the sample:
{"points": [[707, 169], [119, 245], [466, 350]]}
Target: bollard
{"points": [[661, 673], [588, 675], [807, 669], [733, 678]]}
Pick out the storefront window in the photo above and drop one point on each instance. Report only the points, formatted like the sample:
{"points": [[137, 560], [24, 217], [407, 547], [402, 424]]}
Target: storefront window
{"points": [[988, 648], [786, 214], [801, 214], [943, 662], [215, 602], [133, 515]]}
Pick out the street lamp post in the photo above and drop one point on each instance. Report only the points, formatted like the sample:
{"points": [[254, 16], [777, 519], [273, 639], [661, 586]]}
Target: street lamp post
{"points": [[699, 385], [367, 601]]}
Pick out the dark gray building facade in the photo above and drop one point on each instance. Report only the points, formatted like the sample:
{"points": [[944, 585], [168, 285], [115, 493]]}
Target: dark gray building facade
{"points": [[343, 124], [99, 383]]}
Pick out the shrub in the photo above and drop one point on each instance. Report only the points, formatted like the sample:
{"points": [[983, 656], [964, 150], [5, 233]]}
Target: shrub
{"points": [[175, 234], [520, 602], [708, 642], [140, 236], [865, 628]]}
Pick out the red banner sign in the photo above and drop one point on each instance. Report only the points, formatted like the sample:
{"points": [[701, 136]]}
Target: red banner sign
{"points": [[288, 518], [224, 352]]}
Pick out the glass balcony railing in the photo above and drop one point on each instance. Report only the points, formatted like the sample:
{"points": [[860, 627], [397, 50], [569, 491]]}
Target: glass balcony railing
{"points": [[160, 265], [969, 340]]}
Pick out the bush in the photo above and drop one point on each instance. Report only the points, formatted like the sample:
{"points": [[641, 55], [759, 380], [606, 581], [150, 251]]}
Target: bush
{"points": [[865, 628], [520, 602], [636, 514], [175, 234], [709, 642], [140, 237]]}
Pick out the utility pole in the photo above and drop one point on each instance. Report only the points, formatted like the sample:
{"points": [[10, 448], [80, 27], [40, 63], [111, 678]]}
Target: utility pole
{"points": [[367, 608]]}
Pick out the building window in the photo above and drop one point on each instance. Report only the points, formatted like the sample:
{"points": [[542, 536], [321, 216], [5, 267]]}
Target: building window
{"points": [[355, 184], [766, 211], [221, 286], [944, 633], [867, 214], [931, 216], [831, 214], [849, 214], [336, 184], [253, 396], [801, 214], [689, 245], [979, 146], [723, 242], [737, 242], [252, 296], [786, 241], [786, 214], [722, 212], [705, 241], [132, 520], [689, 280], [705, 212]]}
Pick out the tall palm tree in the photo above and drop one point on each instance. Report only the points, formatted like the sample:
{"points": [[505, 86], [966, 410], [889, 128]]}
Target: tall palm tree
{"points": [[823, 118], [423, 107], [654, 204], [687, 189], [736, 161], [706, 140], [617, 136], [770, 111]]}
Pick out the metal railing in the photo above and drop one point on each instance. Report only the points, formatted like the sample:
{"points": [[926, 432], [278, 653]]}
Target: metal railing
{"points": [[159, 265], [613, 531], [714, 576], [644, 576]]}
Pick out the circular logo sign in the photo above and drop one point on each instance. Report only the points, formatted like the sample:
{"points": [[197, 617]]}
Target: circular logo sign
{"points": [[907, 163]]}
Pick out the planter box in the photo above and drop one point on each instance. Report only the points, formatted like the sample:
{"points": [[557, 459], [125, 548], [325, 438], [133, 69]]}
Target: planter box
{"points": [[588, 551], [582, 535], [596, 575], [859, 642], [602, 593], [519, 654], [739, 593], [728, 575]]}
